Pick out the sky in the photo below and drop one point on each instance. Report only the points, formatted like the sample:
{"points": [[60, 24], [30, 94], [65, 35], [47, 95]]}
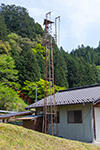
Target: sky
{"points": [[79, 19]]}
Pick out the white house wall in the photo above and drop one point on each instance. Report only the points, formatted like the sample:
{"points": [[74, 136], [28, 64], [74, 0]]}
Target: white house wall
{"points": [[75, 131], [97, 123]]}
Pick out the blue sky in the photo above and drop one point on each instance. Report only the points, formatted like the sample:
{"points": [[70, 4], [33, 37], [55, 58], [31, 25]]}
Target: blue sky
{"points": [[80, 19]]}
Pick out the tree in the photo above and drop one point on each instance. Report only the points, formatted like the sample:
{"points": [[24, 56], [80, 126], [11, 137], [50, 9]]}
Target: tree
{"points": [[18, 21], [80, 72], [29, 89], [60, 68], [7, 69], [27, 65], [3, 28], [9, 99], [60, 78], [39, 48], [25, 59], [41, 64], [4, 47]]}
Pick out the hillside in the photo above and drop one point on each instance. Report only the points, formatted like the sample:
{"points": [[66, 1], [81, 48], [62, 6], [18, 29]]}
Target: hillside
{"points": [[22, 60], [14, 137], [21, 37]]}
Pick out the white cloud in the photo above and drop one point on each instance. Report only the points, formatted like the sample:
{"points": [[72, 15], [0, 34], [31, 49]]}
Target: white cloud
{"points": [[82, 15]]}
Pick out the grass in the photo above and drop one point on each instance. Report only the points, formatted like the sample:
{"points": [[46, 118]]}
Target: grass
{"points": [[18, 138]]}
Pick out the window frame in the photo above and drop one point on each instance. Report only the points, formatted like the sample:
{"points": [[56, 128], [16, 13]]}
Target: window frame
{"points": [[75, 116]]}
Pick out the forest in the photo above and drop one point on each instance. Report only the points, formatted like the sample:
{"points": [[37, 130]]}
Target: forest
{"points": [[22, 61]]}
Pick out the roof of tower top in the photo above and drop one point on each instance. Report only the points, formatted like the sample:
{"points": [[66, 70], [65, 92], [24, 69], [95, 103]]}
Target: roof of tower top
{"points": [[46, 21]]}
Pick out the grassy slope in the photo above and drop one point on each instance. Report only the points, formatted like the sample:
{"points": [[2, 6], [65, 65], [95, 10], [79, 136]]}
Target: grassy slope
{"points": [[14, 137]]}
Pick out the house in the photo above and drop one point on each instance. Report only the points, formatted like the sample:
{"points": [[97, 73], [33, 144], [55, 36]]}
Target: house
{"points": [[12, 115], [33, 122], [79, 112], [27, 119]]}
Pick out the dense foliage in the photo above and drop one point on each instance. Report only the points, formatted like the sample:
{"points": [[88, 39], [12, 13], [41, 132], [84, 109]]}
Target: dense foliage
{"points": [[9, 98], [80, 71], [29, 89], [18, 21], [22, 58]]}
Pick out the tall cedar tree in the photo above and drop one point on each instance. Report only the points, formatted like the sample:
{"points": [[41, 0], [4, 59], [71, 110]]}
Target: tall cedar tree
{"points": [[80, 72], [60, 69], [27, 65]]}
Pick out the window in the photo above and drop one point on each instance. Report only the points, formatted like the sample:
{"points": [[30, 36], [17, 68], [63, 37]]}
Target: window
{"points": [[74, 116], [57, 116], [49, 118]]}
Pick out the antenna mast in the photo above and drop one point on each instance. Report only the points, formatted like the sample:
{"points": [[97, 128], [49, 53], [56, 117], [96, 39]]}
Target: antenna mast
{"points": [[49, 110], [57, 35]]}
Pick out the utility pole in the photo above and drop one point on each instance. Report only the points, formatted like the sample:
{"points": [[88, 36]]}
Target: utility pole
{"points": [[35, 92]]}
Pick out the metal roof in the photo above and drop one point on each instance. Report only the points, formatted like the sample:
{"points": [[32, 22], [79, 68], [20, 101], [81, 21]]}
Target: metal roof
{"points": [[4, 111], [46, 21], [15, 114], [32, 117], [79, 95]]}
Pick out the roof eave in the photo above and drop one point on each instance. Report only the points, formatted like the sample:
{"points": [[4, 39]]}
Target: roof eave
{"points": [[59, 105], [96, 101]]}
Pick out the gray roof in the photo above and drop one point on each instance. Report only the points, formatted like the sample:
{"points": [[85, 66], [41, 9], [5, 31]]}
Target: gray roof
{"points": [[79, 95], [4, 111], [32, 117]]}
